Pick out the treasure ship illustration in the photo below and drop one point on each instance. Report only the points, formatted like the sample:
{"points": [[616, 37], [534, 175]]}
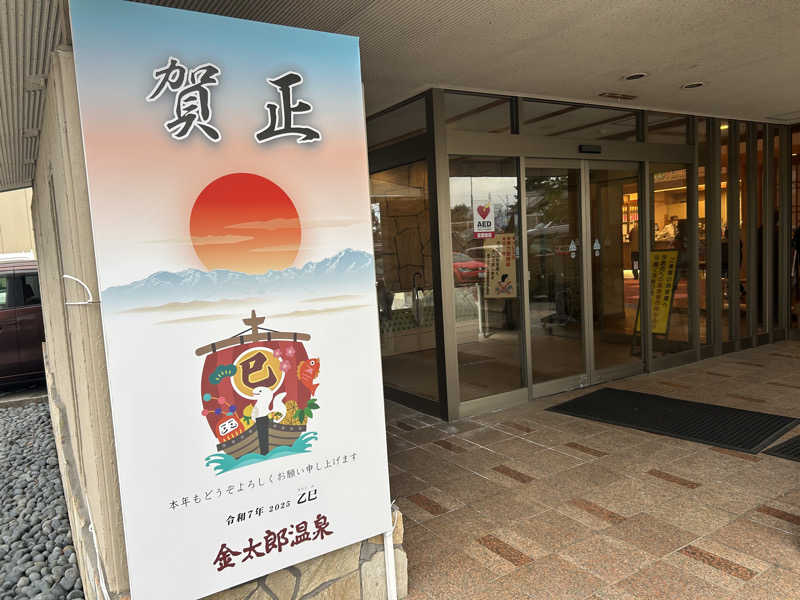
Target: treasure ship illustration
{"points": [[258, 389]]}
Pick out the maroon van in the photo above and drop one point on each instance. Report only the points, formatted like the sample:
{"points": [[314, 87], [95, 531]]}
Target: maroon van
{"points": [[21, 326]]}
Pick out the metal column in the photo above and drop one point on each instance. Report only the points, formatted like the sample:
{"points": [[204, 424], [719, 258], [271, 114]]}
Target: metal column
{"points": [[785, 226], [768, 229], [645, 237], [751, 289], [693, 219], [713, 236], [442, 186], [525, 280], [734, 313], [585, 255]]}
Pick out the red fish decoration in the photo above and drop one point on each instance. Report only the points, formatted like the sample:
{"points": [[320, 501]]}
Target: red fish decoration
{"points": [[307, 372]]}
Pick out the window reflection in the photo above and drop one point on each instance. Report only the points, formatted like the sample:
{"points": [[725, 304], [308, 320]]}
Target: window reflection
{"points": [[396, 124], [615, 290], [576, 121], [484, 212], [400, 206], [477, 112], [670, 241], [666, 128], [554, 262]]}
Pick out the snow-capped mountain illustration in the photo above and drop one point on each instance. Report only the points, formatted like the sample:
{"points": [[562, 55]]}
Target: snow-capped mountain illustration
{"points": [[349, 271]]}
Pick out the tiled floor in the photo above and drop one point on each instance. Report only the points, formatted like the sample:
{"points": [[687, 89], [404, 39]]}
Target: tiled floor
{"points": [[524, 503]]}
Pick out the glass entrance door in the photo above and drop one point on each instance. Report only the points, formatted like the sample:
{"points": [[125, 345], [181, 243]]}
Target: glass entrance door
{"points": [[615, 267], [555, 287], [401, 218], [583, 263]]}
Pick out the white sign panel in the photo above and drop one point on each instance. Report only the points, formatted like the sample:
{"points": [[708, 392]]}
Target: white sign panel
{"points": [[227, 165]]}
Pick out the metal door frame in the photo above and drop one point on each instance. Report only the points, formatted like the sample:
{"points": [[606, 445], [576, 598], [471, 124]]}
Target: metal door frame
{"points": [[421, 148], [626, 370], [449, 142], [553, 386], [591, 375]]}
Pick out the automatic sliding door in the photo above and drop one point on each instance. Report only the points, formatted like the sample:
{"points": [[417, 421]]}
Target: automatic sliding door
{"points": [[614, 258], [553, 205], [584, 265]]}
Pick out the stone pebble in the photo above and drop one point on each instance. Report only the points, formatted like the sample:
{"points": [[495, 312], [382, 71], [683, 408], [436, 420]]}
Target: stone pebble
{"points": [[37, 560]]}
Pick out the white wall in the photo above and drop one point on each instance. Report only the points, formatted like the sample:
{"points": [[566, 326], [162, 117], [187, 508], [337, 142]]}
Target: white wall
{"points": [[16, 227]]}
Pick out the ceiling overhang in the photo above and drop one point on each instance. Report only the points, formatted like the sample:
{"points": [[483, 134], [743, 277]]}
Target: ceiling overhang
{"points": [[568, 50]]}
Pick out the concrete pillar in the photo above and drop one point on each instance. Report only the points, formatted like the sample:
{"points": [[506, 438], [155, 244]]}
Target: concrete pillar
{"points": [[74, 353]]}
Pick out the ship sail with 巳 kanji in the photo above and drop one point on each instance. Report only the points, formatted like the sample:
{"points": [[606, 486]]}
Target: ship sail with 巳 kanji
{"points": [[258, 394]]}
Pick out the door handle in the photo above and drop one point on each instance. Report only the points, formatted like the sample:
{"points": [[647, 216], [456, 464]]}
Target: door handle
{"points": [[573, 248], [415, 298]]}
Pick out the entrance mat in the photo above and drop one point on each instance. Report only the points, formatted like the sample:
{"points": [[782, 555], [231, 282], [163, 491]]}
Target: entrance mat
{"points": [[731, 428], [789, 449]]}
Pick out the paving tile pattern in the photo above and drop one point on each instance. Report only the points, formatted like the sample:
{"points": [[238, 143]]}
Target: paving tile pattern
{"points": [[524, 504]]}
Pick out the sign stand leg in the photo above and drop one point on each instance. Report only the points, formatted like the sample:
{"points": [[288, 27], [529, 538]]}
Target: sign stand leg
{"points": [[391, 575]]}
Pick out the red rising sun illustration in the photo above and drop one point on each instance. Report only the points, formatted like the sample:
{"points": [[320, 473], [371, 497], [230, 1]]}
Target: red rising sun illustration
{"points": [[245, 222]]}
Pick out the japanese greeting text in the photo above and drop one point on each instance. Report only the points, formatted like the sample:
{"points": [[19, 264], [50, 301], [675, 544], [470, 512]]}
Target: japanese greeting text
{"points": [[192, 104], [300, 533]]}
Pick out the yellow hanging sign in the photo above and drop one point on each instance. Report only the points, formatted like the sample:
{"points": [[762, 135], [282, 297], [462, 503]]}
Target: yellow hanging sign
{"points": [[663, 269]]}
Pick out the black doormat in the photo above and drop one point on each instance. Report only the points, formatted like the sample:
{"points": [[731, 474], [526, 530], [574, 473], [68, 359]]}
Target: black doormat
{"points": [[789, 449], [732, 428]]}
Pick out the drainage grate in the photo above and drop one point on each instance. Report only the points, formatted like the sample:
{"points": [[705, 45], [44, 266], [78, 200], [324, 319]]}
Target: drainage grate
{"points": [[722, 426], [789, 449]]}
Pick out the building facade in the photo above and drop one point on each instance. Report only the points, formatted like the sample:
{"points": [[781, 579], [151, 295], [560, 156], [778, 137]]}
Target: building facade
{"points": [[525, 243], [594, 209]]}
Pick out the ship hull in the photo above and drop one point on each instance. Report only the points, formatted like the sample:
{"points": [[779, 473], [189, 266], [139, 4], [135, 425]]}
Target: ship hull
{"points": [[246, 443], [263, 438], [283, 435]]}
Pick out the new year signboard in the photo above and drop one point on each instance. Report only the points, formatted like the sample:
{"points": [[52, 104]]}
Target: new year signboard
{"points": [[227, 175]]}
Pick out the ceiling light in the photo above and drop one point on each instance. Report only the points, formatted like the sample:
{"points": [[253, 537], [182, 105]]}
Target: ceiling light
{"points": [[724, 126], [692, 85], [635, 76]]}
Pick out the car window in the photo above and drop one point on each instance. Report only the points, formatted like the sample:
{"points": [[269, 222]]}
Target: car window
{"points": [[30, 290], [3, 292], [458, 257]]}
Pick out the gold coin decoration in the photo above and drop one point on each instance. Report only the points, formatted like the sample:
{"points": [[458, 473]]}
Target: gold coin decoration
{"points": [[291, 411]]}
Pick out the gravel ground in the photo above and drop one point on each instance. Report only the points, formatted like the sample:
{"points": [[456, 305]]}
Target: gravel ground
{"points": [[37, 559]]}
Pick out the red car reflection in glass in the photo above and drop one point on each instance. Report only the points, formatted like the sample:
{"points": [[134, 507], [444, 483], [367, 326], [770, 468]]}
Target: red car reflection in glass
{"points": [[467, 270]]}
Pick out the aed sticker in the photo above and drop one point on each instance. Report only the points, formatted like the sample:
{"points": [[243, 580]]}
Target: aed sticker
{"points": [[483, 220]]}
